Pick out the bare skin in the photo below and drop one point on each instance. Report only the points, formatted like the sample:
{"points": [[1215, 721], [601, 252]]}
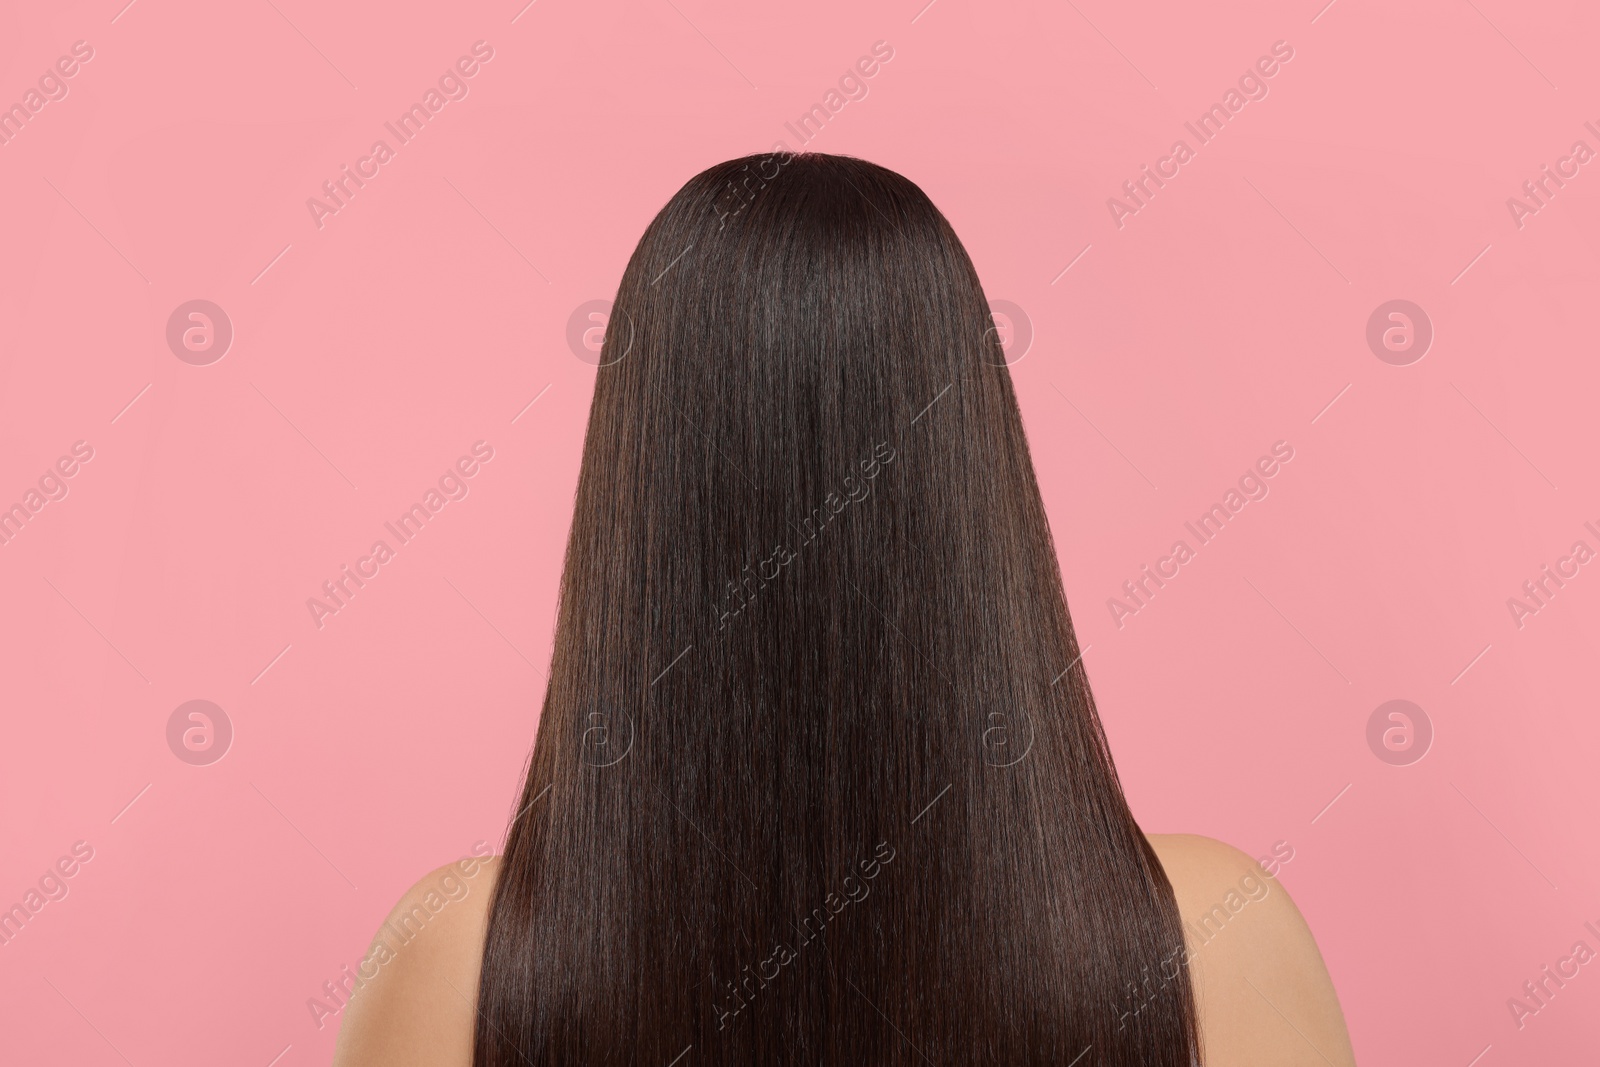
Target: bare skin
{"points": [[1262, 990], [1263, 993]]}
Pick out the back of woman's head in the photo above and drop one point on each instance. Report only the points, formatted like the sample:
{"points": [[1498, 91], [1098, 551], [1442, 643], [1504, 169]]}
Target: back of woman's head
{"points": [[818, 777]]}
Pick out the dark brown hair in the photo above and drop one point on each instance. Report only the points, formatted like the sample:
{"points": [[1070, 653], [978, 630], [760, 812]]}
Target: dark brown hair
{"points": [[818, 777]]}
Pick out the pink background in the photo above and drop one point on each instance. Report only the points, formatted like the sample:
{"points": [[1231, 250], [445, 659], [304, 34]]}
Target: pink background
{"points": [[427, 314]]}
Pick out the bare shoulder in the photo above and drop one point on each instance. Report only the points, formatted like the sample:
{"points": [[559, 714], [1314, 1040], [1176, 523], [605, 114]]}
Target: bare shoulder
{"points": [[415, 1001], [1262, 990]]}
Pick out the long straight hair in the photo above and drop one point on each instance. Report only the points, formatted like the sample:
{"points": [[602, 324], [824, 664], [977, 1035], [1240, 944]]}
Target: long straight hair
{"points": [[818, 776]]}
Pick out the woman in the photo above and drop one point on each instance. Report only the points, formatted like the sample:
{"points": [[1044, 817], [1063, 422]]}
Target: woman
{"points": [[818, 777]]}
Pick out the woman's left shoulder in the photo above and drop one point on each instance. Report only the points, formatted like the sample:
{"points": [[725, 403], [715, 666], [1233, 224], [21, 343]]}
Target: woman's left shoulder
{"points": [[415, 992]]}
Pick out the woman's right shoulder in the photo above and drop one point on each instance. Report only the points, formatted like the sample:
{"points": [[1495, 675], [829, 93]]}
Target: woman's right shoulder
{"points": [[416, 1001], [1262, 992]]}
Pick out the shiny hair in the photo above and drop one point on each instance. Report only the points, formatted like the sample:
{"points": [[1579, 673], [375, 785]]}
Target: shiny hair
{"points": [[818, 776]]}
